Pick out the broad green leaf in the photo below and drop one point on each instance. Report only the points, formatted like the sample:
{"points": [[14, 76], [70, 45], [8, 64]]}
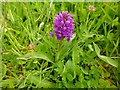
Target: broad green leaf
{"points": [[70, 68], [47, 84], [36, 55], [34, 79], [105, 58]]}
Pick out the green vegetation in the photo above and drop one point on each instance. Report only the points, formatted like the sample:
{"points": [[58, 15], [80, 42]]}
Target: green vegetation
{"points": [[89, 60]]}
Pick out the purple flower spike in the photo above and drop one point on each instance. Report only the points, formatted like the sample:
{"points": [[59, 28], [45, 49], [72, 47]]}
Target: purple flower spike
{"points": [[63, 25], [51, 34]]}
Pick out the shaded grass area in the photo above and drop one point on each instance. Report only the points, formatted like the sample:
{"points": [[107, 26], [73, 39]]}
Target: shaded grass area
{"points": [[89, 60]]}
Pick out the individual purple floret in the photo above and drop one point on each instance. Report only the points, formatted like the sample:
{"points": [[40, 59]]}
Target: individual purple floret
{"points": [[51, 34], [63, 25]]}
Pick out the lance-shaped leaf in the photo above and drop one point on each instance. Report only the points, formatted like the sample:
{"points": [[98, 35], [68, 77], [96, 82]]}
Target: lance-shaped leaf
{"points": [[105, 58], [42, 55]]}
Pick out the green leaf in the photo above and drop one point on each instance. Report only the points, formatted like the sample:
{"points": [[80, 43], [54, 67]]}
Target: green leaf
{"points": [[90, 47], [73, 36], [115, 22], [78, 84], [105, 58], [107, 14], [115, 48], [69, 77], [53, 45], [84, 70], [4, 70], [60, 67], [34, 79], [9, 83], [75, 55], [37, 55], [99, 23], [64, 50], [21, 62], [46, 84]]}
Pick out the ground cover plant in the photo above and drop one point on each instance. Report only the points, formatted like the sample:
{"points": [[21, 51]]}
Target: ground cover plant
{"points": [[33, 57]]}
